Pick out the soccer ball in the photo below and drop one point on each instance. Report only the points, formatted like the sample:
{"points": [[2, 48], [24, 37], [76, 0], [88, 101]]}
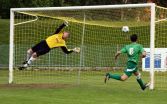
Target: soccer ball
{"points": [[125, 29]]}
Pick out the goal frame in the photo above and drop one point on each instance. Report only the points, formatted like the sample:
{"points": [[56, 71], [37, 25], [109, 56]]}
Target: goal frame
{"points": [[152, 29]]}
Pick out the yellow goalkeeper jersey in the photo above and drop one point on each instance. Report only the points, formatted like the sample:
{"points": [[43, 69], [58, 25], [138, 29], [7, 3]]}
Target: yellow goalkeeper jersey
{"points": [[56, 40]]}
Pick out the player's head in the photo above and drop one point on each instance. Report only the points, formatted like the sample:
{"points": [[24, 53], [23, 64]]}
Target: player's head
{"points": [[133, 38], [66, 35]]}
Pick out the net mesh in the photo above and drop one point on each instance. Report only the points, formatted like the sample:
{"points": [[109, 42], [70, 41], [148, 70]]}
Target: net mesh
{"points": [[160, 42], [96, 31]]}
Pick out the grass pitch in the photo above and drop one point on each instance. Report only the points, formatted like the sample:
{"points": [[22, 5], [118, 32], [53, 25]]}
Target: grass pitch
{"points": [[91, 90]]}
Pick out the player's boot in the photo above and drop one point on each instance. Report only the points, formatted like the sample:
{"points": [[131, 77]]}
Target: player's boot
{"points": [[106, 77], [23, 67], [145, 86], [25, 62]]}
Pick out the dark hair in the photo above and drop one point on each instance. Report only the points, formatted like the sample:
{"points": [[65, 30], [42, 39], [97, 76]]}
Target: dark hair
{"points": [[133, 37]]}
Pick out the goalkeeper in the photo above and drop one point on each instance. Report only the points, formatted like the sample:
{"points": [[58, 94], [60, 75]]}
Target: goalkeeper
{"points": [[133, 52], [58, 39]]}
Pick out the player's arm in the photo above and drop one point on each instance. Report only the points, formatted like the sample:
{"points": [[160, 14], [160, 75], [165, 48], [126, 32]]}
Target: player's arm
{"points": [[61, 27], [143, 54], [117, 54], [67, 51], [123, 50]]}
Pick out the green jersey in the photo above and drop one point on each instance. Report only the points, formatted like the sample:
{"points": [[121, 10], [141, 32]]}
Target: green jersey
{"points": [[133, 51]]}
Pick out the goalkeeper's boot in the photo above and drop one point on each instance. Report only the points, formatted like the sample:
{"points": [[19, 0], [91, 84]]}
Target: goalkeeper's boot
{"points": [[25, 62], [107, 76], [23, 67], [145, 86]]}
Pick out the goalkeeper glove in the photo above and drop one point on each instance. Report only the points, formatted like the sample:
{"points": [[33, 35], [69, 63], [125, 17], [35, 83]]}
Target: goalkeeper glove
{"points": [[66, 23], [76, 49]]}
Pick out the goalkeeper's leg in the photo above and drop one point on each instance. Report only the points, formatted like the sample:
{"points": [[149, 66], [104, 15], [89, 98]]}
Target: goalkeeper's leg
{"points": [[29, 61], [39, 49], [29, 54]]}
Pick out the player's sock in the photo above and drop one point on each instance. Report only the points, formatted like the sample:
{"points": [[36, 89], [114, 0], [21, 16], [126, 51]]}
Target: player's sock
{"points": [[29, 61], [115, 76], [28, 56], [139, 80]]}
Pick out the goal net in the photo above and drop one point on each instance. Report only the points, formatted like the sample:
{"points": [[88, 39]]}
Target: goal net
{"points": [[95, 29], [161, 48]]}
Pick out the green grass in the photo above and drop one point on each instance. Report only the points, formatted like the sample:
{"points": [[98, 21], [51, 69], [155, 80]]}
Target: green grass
{"points": [[4, 31], [4, 42], [91, 90], [108, 94]]}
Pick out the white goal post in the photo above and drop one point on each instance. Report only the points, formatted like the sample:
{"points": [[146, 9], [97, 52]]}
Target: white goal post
{"points": [[152, 29]]}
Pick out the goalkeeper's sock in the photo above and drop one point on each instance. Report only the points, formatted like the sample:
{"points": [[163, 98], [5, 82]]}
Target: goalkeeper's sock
{"points": [[139, 80], [29, 61], [28, 56], [115, 76]]}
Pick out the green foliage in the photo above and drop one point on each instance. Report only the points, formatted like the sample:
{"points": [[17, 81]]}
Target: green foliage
{"points": [[4, 8], [5, 5], [162, 2]]}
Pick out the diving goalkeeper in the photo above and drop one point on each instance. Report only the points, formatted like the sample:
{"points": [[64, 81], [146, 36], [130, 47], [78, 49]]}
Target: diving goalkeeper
{"points": [[133, 52], [58, 39]]}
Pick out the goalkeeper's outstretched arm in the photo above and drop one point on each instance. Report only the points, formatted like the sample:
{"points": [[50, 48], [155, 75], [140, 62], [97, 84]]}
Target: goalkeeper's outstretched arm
{"points": [[67, 51], [61, 27]]}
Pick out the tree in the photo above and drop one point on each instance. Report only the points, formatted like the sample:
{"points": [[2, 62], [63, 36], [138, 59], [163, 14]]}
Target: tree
{"points": [[5, 5]]}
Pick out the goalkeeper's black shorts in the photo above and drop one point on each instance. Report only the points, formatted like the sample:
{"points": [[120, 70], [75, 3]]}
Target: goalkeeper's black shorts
{"points": [[41, 48]]}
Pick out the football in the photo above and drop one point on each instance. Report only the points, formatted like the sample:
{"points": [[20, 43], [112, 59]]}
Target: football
{"points": [[125, 29]]}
